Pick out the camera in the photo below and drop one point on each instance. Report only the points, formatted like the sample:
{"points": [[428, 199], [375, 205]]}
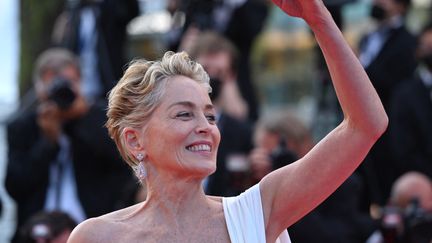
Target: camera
{"points": [[281, 155], [418, 223], [61, 93], [412, 225]]}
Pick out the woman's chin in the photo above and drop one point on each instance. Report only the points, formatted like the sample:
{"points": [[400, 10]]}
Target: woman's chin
{"points": [[193, 168], [203, 171]]}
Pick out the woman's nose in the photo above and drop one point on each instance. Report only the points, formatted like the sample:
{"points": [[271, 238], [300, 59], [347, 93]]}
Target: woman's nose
{"points": [[203, 125]]}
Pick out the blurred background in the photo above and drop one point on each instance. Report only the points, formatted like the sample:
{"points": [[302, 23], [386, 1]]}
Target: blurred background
{"points": [[285, 67]]}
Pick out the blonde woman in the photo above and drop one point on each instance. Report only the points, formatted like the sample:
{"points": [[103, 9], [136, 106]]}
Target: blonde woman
{"points": [[164, 124]]}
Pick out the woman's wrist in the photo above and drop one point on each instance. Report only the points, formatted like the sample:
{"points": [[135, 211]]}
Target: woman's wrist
{"points": [[320, 20]]}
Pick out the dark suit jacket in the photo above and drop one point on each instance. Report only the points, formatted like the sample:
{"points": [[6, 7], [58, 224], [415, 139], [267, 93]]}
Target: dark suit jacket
{"points": [[337, 219], [100, 173], [411, 127], [236, 138], [394, 63], [112, 17]]}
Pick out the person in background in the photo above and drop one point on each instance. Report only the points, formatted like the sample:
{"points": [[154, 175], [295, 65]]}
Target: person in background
{"points": [[279, 138], [219, 57], [95, 30], [388, 56], [47, 227], [60, 156], [407, 218], [164, 123], [411, 114], [409, 186], [388, 52]]}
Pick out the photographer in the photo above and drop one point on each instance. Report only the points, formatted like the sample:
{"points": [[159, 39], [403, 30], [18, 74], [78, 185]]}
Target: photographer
{"points": [[60, 156], [408, 216], [275, 137], [280, 138]]}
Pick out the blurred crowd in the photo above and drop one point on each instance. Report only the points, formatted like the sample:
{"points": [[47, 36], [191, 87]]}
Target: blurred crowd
{"points": [[64, 168]]}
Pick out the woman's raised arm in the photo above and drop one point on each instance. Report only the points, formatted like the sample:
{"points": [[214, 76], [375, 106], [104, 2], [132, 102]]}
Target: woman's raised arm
{"points": [[292, 191]]}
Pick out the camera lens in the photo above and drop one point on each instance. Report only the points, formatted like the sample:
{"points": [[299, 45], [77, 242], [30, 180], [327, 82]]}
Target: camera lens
{"points": [[61, 93]]}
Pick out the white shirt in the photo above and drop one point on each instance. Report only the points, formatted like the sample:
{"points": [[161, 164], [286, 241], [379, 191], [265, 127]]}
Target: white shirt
{"points": [[62, 193], [91, 83]]}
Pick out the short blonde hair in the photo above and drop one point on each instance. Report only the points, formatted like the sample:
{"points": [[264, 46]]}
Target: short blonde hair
{"points": [[132, 101]]}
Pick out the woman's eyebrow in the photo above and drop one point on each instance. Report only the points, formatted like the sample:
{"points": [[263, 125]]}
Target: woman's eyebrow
{"points": [[209, 107], [191, 105], [183, 103]]}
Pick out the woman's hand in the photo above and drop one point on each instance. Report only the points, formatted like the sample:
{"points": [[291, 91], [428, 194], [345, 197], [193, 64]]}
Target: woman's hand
{"points": [[309, 10]]}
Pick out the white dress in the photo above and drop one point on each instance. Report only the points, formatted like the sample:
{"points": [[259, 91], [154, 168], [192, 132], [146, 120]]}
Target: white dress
{"points": [[245, 218]]}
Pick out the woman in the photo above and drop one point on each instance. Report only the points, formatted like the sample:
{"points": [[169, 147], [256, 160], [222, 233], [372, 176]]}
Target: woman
{"points": [[163, 122]]}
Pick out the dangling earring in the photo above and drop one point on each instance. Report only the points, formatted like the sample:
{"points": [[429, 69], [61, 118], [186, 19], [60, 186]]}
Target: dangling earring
{"points": [[140, 170]]}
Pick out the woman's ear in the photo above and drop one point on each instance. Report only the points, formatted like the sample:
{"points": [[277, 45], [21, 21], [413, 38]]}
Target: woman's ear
{"points": [[132, 141]]}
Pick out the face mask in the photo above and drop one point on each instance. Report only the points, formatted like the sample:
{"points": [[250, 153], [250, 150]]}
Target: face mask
{"points": [[377, 12], [426, 59], [216, 85]]}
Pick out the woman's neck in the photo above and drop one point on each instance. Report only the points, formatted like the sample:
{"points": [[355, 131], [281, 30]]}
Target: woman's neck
{"points": [[175, 196], [177, 208]]}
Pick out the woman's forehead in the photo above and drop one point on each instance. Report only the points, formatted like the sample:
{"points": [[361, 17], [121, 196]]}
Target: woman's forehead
{"points": [[182, 88]]}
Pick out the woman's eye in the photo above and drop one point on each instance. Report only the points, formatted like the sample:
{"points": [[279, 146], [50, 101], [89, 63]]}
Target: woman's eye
{"points": [[211, 118], [184, 115]]}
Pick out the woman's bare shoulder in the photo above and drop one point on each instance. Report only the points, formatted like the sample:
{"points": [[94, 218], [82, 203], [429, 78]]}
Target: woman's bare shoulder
{"points": [[122, 214], [91, 230], [101, 229]]}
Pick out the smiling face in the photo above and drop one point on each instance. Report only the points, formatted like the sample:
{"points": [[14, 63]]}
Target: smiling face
{"points": [[181, 136]]}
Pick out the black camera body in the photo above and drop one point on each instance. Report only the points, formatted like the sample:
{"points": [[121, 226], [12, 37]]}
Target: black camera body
{"points": [[282, 156], [414, 226], [418, 224], [61, 93]]}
